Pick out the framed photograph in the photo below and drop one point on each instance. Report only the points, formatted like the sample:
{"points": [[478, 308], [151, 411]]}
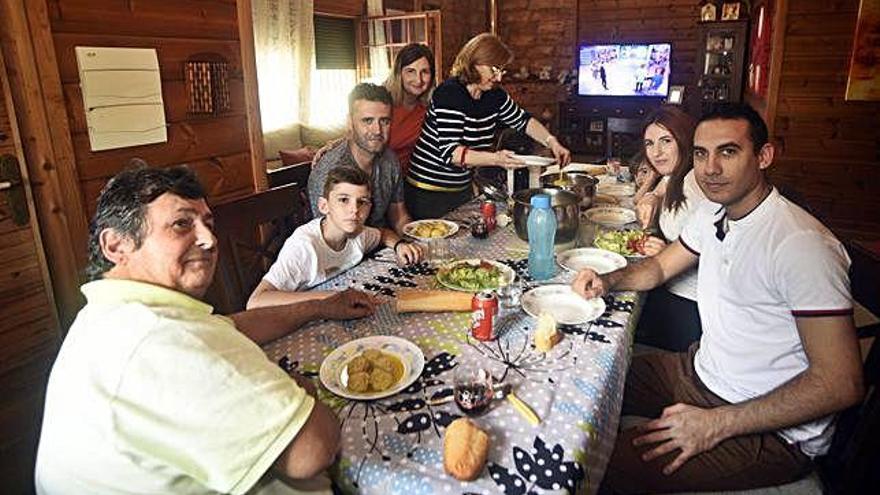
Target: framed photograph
{"points": [[863, 82], [708, 12], [676, 95], [730, 11]]}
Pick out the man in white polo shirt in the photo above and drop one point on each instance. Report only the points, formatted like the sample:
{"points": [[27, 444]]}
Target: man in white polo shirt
{"points": [[753, 401], [151, 392]]}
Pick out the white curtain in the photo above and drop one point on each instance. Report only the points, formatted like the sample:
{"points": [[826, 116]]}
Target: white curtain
{"points": [[284, 42], [380, 64]]}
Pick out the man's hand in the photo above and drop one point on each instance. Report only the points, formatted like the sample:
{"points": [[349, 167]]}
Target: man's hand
{"points": [[409, 253], [589, 284], [689, 429], [305, 383], [348, 305]]}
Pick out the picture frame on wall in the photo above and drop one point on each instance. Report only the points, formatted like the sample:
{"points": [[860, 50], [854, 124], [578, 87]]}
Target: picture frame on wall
{"points": [[676, 95], [730, 11], [863, 81], [708, 12]]}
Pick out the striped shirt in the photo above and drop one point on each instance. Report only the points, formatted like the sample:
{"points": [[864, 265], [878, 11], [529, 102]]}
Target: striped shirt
{"points": [[454, 119]]}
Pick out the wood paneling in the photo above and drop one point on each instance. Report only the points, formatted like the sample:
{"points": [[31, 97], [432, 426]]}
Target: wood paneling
{"points": [[29, 330], [155, 18], [348, 8], [179, 31], [829, 147]]}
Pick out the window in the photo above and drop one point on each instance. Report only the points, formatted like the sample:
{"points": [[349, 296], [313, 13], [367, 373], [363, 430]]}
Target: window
{"points": [[335, 70]]}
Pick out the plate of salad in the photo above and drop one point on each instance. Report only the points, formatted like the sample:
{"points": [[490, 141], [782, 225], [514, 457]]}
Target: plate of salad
{"points": [[629, 243], [475, 275]]}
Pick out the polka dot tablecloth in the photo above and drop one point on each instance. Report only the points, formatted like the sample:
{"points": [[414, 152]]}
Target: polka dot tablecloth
{"points": [[395, 445]]}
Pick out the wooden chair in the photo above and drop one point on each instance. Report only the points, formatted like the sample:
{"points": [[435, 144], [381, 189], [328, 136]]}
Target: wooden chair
{"points": [[297, 173], [250, 233]]}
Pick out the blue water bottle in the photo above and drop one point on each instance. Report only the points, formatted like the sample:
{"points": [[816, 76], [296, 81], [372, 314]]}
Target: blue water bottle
{"points": [[541, 227]]}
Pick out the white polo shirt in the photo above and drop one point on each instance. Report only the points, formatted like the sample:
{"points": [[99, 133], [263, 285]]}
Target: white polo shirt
{"points": [[153, 394], [774, 264]]}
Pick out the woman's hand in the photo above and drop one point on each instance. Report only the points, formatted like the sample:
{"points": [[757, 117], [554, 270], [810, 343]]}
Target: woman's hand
{"points": [[647, 208], [508, 159], [324, 149], [653, 246], [560, 152]]}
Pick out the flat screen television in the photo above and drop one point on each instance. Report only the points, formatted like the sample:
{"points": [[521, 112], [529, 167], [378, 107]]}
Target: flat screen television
{"points": [[624, 70]]}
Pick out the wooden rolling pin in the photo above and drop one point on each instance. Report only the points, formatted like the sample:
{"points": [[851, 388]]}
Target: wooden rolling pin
{"points": [[409, 301]]}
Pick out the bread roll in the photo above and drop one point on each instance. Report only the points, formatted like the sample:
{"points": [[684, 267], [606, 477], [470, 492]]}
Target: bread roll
{"points": [[546, 335], [465, 448]]}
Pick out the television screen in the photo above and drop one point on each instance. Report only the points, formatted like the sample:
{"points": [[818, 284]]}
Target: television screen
{"points": [[624, 70]]}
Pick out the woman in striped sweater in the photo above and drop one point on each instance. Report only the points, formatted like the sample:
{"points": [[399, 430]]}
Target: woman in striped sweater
{"points": [[459, 130]]}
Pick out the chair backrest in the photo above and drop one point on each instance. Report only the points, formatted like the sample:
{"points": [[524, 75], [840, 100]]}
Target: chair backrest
{"points": [[853, 460], [250, 233]]}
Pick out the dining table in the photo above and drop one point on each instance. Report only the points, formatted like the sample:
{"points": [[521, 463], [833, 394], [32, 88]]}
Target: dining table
{"points": [[394, 445]]}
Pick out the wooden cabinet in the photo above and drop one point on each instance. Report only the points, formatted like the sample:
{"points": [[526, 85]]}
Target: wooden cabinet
{"points": [[721, 52]]}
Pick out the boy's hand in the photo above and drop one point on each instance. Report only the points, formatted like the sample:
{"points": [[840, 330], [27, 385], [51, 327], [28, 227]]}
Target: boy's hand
{"points": [[408, 254]]}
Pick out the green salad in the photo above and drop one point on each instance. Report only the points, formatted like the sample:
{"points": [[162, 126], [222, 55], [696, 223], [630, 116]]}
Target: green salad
{"points": [[625, 242], [471, 276]]}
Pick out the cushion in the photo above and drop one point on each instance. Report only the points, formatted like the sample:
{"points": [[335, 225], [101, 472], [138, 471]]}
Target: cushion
{"points": [[317, 137], [287, 138], [292, 157]]}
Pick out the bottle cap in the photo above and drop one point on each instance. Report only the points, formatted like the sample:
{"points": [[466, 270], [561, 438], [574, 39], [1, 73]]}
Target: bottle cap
{"points": [[540, 201]]}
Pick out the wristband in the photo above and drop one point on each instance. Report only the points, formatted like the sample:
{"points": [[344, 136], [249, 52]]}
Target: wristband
{"points": [[397, 244]]}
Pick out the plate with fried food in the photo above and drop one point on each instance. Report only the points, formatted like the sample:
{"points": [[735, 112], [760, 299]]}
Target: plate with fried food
{"points": [[426, 230], [372, 367]]}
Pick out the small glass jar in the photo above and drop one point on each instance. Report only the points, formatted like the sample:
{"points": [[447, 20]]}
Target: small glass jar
{"points": [[479, 229]]}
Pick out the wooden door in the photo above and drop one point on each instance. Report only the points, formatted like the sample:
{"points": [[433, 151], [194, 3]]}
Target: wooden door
{"points": [[29, 329]]}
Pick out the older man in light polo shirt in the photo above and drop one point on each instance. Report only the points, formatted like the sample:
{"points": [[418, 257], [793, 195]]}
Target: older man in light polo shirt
{"points": [[151, 392], [752, 402]]}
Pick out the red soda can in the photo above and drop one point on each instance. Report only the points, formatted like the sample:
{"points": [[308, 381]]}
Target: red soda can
{"points": [[488, 211], [485, 307]]}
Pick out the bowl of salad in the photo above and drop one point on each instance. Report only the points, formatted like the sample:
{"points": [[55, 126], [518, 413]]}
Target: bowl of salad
{"points": [[629, 243], [475, 275]]}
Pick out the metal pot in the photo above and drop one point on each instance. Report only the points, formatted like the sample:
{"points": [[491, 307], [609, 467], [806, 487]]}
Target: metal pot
{"points": [[564, 204], [583, 185]]}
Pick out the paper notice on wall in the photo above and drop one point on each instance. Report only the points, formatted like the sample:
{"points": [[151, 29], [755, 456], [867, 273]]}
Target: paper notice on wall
{"points": [[122, 96]]}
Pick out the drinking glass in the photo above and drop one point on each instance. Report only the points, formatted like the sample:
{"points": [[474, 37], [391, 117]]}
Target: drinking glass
{"points": [[472, 389], [509, 295]]}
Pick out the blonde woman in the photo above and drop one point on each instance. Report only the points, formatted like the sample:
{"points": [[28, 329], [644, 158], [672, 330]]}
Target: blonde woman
{"points": [[410, 85], [459, 130]]}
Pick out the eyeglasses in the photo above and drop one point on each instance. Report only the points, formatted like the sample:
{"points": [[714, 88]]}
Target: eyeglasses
{"points": [[496, 72]]}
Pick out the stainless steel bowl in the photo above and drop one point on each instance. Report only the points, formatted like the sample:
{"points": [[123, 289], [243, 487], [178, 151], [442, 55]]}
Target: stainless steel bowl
{"points": [[580, 183], [564, 204]]}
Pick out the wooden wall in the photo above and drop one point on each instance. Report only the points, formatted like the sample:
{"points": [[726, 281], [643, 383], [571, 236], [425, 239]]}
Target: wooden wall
{"points": [[217, 147], [29, 335], [637, 21], [830, 148], [348, 8]]}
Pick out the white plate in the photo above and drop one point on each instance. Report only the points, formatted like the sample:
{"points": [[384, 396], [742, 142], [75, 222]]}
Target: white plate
{"points": [[334, 369], [617, 188], [614, 216], [566, 306], [535, 160], [451, 228], [507, 274], [600, 260]]}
